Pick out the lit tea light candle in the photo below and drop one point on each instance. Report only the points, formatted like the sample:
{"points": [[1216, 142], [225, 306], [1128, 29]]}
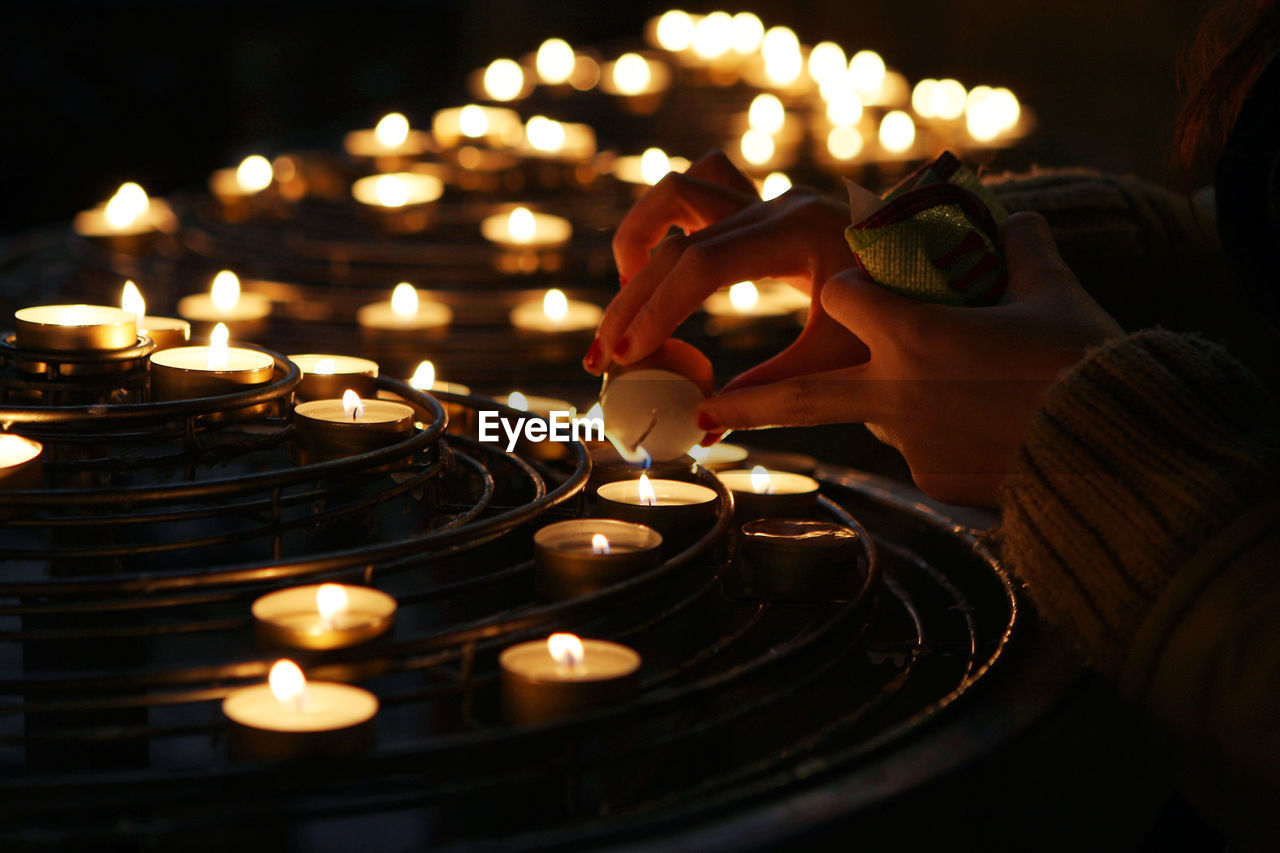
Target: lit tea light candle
{"points": [[680, 511], [165, 332], [867, 74], [524, 229], [720, 456], [991, 113], [800, 560], [783, 59], [397, 190], [555, 61], [128, 220], [327, 376], [75, 327], [766, 113], [504, 80], [546, 138], [578, 557], [290, 717], [556, 313], [761, 493], [774, 185], [193, 372], [20, 462], [233, 187], [544, 680], [648, 168], [324, 430], [424, 379], [632, 75], [897, 133], [405, 311], [747, 300], [391, 137], [323, 616], [228, 304], [473, 123], [652, 410], [671, 31], [540, 406], [844, 144]]}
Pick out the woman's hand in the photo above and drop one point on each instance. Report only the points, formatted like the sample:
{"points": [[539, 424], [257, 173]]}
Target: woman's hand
{"points": [[731, 235], [951, 388]]}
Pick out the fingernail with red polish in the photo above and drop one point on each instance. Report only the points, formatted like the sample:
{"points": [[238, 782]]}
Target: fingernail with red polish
{"points": [[592, 359], [707, 423], [622, 280], [620, 350], [711, 438]]}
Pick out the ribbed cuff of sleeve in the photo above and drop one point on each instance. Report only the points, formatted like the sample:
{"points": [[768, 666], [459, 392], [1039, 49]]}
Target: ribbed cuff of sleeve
{"points": [[1137, 456]]}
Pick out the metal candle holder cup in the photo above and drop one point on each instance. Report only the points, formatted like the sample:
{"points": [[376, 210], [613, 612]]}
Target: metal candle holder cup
{"points": [[569, 561]]}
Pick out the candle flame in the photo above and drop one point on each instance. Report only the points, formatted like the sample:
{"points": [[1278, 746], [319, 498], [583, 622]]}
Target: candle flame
{"points": [[324, 367], [675, 30], [404, 300], [826, 61], [391, 191], [392, 130], [288, 684], [647, 495], [743, 296], [124, 208], [748, 30], [254, 173], [844, 143], [757, 147], [218, 350], [555, 305], [713, 35], [783, 61], [565, 649], [331, 599], [599, 543], [518, 401], [775, 184], [503, 80], [946, 99], [131, 300], [867, 72], [225, 291], [761, 482], [544, 134], [554, 61], [631, 74], [352, 405], [521, 225], [897, 131], [654, 165], [473, 122], [766, 113], [424, 377]]}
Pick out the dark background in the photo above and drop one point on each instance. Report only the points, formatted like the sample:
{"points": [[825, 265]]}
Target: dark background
{"points": [[96, 94]]}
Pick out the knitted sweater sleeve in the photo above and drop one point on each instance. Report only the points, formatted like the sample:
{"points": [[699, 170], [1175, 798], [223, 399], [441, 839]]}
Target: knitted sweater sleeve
{"points": [[1142, 514]]}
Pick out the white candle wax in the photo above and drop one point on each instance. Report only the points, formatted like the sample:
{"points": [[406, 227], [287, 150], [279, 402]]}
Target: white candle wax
{"points": [[522, 228], [664, 493], [75, 327], [19, 462], [368, 413], [196, 358], [325, 706], [753, 481], [396, 190], [411, 315], [652, 409]]}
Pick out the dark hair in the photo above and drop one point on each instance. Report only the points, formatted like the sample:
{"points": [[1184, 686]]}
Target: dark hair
{"points": [[1223, 58]]}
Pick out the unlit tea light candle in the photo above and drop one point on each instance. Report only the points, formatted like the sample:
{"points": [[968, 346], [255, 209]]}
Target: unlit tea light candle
{"points": [[290, 717], [327, 376], [800, 560], [405, 311], [75, 327], [554, 313], [323, 616], [544, 680]]}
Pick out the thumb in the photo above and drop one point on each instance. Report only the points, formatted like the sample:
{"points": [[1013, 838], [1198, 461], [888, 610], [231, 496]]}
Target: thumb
{"points": [[1030, 254]]}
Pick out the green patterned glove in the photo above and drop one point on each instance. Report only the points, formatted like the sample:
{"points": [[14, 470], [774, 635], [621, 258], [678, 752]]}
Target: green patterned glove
{"points": [[934, 237]]}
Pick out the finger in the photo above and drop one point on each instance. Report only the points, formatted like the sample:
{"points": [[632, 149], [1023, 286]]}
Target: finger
{"points": [[718, 168], [1031, 256], [846, 395], [823, 345], [683, 358], [680, 200], [875, 313], [711, 259]]}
